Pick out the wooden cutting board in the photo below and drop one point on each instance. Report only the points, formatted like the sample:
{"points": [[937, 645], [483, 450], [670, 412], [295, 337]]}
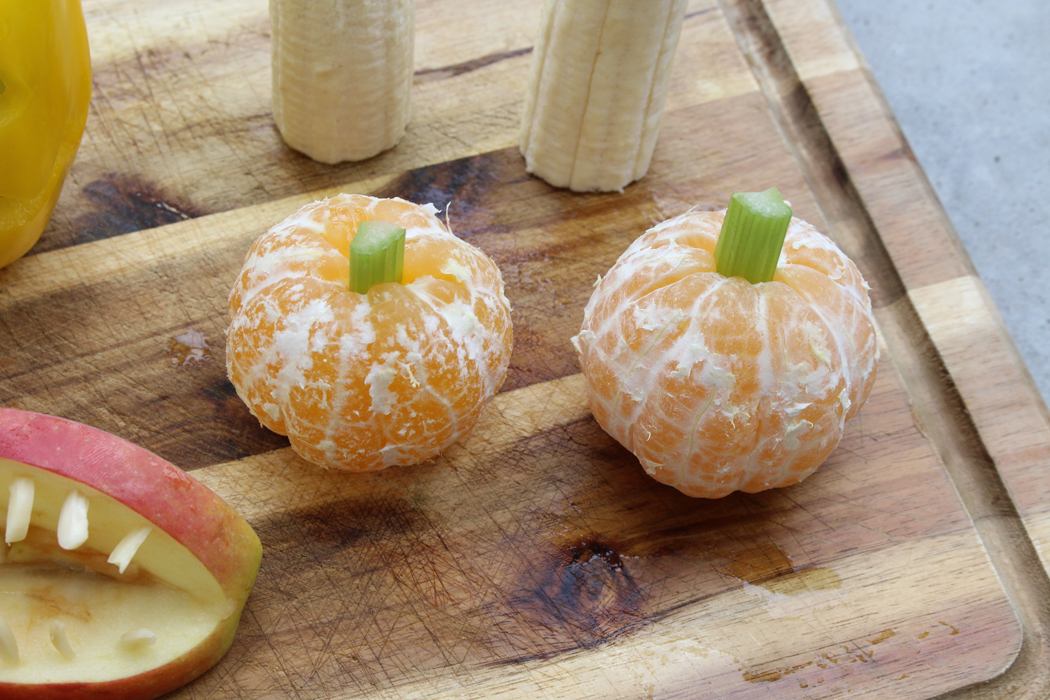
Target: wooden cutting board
{"points": [[535, 558]]}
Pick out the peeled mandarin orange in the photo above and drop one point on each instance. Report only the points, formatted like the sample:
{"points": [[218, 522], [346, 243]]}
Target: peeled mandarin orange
{"points": [[717, 384], [365, 381]]}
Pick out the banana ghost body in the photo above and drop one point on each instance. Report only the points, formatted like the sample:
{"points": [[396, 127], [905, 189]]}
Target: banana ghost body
{"points": [[598, 82], [342, 75]]}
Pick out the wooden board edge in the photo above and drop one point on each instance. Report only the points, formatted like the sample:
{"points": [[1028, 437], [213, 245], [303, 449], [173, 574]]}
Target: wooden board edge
{"points": [[938, 382]]}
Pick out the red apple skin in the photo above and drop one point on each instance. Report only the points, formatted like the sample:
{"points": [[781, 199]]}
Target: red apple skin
{"points": [[173, 501]]}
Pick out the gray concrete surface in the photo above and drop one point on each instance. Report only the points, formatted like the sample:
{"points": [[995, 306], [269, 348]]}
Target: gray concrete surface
{"points": [[969, 82]]}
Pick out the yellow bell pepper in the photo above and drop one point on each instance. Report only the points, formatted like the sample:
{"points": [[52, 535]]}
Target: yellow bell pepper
{"points": [[45, 88]]}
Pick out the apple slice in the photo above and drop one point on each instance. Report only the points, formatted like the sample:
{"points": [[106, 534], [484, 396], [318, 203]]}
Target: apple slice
{"points": [[121, 576]]}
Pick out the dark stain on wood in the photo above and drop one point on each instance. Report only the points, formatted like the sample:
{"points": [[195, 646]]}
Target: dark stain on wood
{"points": [[118, 204], [460, 186], [581, 596], [126, 204]]}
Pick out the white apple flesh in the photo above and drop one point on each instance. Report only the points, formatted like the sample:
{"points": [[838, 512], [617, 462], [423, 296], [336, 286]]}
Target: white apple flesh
{"points": [[123, 577]]}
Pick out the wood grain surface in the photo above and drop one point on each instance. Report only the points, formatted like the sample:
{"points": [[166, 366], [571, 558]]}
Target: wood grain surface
{"points": [[535, 559]]}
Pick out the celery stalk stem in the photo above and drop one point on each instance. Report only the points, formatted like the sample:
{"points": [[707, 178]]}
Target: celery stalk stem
{"points": [[377, 255], [752, 235]]}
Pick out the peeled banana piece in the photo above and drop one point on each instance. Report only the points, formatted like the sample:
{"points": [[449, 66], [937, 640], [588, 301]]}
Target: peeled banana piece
{"points": [[598, 82], [342, 75]]}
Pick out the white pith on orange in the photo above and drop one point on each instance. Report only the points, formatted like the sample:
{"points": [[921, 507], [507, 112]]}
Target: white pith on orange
{"points": [[717, 384], [366, 381]]}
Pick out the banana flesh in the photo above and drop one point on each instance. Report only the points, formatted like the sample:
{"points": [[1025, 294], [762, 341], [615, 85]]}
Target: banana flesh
{"points": [[342, 75], [598, 82]]}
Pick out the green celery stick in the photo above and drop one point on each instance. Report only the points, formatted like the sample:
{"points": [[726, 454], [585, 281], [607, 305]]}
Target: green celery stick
{"points": [[377, 255], [752, 235]]}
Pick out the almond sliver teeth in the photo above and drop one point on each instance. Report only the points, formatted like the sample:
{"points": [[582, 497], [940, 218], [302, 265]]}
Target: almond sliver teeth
{"points": [[8, 645], [73, 521], [125, 551], [141, 637], [61, 641], [19, 509]]}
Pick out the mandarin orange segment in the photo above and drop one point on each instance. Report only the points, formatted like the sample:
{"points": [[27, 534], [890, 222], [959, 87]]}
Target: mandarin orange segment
{"points": [[365, 381], [717, 384]]}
